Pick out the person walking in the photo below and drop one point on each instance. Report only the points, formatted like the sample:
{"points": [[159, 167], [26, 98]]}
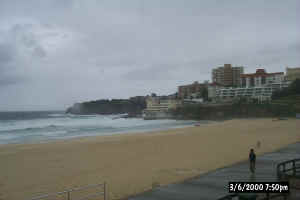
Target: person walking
{"points": [[252, 159]]}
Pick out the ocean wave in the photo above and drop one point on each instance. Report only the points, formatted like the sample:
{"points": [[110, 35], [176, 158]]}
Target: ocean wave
{"points": [[63, 126], [16, 130], [56, 115], [82, 116]]}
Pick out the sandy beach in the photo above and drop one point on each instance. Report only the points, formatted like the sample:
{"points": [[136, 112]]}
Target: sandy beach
{"points": [[131, 163]]}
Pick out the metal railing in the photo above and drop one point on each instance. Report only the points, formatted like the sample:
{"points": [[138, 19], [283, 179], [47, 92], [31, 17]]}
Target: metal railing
{"points": [[69, 194], [228, 197], [262, 196], [285, 170], [290, 168], [275, 196]]}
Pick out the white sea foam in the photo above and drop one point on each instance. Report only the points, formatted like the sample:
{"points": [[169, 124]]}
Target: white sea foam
{"points": [[62, 126]]}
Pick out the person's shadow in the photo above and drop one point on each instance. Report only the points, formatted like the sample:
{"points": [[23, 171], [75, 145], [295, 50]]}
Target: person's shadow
{"points": [[252, 177]]}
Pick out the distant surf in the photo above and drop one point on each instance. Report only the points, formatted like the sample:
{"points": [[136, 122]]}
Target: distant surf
{"points": [[33, 127]]}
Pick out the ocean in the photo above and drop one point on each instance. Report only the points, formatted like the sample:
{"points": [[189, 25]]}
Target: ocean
{"points": [[42, 126]]}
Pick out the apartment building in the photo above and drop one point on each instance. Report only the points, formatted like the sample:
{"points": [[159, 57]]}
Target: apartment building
{"points": [[212, 90], [227, 75], [158, 108], [157, 104], [259, 92], [186, 91], [261, 78]]}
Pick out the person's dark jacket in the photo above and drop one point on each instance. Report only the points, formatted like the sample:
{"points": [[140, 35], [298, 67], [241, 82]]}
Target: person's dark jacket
{"points": [[252, 157]]}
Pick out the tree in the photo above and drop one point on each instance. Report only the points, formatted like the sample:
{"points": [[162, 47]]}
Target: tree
{"points": [[204, 93], [176, 95], [153, 95], [294, 88]]}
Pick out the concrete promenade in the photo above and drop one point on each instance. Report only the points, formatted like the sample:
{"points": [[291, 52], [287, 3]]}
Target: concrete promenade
{"points": [[214, 185]]}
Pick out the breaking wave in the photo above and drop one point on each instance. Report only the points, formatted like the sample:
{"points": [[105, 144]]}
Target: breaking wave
{"points": [[36, 127]]}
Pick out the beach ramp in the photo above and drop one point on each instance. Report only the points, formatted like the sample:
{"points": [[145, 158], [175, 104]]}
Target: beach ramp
{"points": [[214, 185], [88, 192]]}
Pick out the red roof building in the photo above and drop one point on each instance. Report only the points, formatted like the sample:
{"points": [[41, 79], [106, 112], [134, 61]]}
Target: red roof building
{"points": [[261, 77]]}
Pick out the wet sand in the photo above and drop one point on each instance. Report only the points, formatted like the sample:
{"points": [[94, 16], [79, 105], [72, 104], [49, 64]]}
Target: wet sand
{"points": [[131, 163]]}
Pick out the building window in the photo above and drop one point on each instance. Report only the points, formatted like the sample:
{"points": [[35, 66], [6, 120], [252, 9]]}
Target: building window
{"points": [[263, 80], [252, 81]]}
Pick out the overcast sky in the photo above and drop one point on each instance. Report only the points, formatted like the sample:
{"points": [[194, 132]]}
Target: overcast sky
{"points": [[58, 52]]}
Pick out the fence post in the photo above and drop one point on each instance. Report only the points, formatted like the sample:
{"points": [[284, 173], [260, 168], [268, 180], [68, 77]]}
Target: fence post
{"points": [[268, 196], [104, 190], [294, 167], [69, 197]]}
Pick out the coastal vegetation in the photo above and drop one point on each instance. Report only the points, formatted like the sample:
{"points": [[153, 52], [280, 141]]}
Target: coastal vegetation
{"points": [[289, 92], [289, 96], [132, 106], [234, 110]]}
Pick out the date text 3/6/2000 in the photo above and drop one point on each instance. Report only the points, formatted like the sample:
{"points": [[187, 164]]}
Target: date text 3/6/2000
{"points": [[258, 187]]}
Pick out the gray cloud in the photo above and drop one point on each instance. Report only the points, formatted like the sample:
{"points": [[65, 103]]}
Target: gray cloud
{"points": [[55, 53], [7, 56], [6, 53]]}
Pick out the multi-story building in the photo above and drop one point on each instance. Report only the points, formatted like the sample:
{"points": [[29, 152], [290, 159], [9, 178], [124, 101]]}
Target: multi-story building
{"points": [[261, 78], [158, 108], [212, 90], [227, 75], [157, 104], [259, 85], [192, 90], [292, 73], [259, 92]]}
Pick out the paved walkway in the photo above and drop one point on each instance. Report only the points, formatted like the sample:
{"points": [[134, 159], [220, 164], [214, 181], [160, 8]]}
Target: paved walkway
{"points": [[214, 185]]}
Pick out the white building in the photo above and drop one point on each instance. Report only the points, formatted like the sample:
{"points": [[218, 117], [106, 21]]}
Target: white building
{"points": [[259, 85], [212, 90], [158, 108], [260, 92]]}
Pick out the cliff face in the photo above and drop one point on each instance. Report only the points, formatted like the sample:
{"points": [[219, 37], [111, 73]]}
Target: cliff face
{"points": [[132, 106]]}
